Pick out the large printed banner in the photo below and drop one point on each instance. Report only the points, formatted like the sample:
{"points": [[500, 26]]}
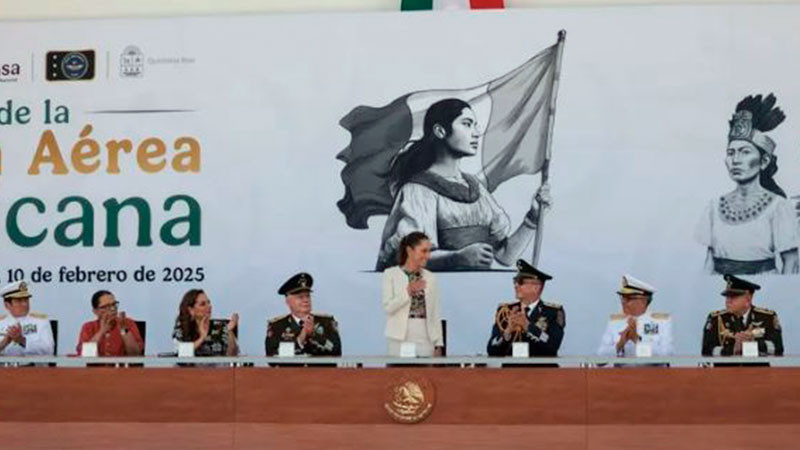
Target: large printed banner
{"points": [[153, 156]]}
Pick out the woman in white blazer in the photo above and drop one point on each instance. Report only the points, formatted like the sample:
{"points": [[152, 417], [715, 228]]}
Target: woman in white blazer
{"points": [[411, 299]]}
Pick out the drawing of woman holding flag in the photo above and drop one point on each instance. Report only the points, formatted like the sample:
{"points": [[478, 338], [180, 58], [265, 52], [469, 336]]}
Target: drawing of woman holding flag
{"points": [[468, 229], [404, 160]]}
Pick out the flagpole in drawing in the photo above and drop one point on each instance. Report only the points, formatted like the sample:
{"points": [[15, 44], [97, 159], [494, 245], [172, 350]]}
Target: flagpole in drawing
{"points": [[551, 119]]}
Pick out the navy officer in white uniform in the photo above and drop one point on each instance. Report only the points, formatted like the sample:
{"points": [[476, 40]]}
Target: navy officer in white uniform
{"points": [[636, 323], [22, 332]]}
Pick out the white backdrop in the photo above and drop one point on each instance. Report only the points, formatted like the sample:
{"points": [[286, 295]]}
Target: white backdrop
{"points": [[640, 133]]}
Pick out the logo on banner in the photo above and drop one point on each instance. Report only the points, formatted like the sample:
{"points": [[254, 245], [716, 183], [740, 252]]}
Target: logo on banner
{"points": [[131, 62], [70, 65], [9, 72]]}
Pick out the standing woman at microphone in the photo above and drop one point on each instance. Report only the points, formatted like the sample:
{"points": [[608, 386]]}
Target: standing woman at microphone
{"points": [[411, 301]]}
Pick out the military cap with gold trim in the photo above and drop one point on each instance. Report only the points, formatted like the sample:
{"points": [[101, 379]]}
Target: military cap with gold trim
{"points": [[525, 270], [633, 286], [18, 289], [737, 286], [297, 283]]}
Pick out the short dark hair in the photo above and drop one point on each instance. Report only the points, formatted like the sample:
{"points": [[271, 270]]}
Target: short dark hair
{"points": [[409, 240], [96, 297]]}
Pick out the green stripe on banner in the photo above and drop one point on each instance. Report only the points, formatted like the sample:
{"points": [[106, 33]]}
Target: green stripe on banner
{"points": [[416, 5]]}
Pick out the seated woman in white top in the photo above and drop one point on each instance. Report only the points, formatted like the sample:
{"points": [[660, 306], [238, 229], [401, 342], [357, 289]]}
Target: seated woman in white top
{"points": [[411, 301]]}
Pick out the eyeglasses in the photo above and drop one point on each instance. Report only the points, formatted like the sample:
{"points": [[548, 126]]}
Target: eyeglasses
{"points": [[109, 306]]}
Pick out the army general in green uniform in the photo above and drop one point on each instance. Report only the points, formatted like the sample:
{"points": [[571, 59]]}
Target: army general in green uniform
{"points": [[312, 334], [741, 321]]}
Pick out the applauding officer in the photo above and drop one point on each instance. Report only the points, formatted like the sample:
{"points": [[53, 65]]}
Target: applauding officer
{"points": [[23, 332], [636, 324], [530, 319], [312, 334], [727, 330]]}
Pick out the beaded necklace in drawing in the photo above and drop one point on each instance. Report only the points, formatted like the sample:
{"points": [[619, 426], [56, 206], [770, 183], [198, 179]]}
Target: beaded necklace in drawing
{"points": [[735, 213]]}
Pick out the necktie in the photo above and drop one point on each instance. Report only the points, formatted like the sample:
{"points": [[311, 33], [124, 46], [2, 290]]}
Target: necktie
{"points": [[739, 324]]}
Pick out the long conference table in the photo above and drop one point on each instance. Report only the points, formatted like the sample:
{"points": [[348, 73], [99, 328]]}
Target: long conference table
{"points": [[352, 402]]}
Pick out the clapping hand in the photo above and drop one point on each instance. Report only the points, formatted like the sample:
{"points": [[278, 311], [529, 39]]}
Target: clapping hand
{"points": [[203, 326], [107, 323], [307, 331], [14, 333], [633, 336], [233, 322], [517, 321]]}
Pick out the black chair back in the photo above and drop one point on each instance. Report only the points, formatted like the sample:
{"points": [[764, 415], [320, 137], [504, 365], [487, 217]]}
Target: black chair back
{"points": [[444, 337], [141, 325], [54, 328]]}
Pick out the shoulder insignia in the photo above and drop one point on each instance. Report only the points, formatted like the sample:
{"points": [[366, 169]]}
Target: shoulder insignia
{"points": [[660, 315], [278, 319], [322, 315], [552, 304], [717, 313], [764, 310], [617, 316], [38, 315]]}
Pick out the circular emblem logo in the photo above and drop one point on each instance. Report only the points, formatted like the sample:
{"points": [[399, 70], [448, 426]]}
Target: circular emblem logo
{"points": [[74, 66], [410, 399]]}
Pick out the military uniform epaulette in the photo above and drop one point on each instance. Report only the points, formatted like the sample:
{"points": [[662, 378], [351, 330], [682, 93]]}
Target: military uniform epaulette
{"points": [[322, 315], [618, 316], [659, 315], [718, 312], [764, 310], [552, 304], [38, 315], [278, 319], [502, 304]]}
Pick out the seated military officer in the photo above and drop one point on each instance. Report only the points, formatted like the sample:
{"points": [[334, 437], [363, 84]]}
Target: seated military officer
{"points": [[23, 332], [728, 329], [530, 319], [312, 334], [636, 324]]}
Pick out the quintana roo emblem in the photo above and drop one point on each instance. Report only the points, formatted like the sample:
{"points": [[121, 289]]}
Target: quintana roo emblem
{"points": [[410, 399]]}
